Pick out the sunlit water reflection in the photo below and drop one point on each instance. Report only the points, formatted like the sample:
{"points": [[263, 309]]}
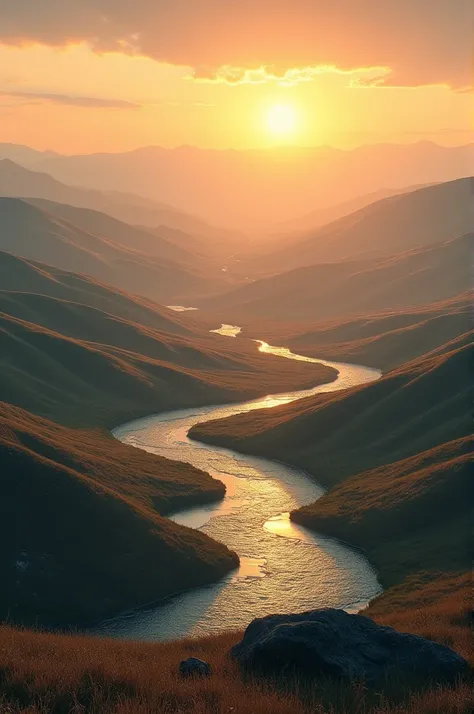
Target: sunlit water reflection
{"points": [[284, 567], [181, 308], [228, 330]]}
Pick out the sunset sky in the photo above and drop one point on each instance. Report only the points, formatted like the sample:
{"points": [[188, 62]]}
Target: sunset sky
{"points": [[111, 75]]}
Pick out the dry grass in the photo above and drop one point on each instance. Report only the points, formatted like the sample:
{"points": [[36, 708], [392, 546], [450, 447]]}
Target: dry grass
{"points": [[42, 673]]}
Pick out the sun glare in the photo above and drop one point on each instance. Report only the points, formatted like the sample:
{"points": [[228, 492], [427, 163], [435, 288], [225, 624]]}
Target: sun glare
{"points": [[281, 119]]}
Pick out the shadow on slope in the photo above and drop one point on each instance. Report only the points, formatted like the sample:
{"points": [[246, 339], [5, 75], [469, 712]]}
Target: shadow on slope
{"points": [[81, 537], [411, 409]]}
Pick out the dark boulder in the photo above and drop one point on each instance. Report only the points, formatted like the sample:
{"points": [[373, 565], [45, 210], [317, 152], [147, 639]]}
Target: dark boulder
{"points": [[194, 667], [335, 644]]}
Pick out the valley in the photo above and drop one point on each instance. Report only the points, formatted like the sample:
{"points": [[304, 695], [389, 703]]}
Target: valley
{"points": [[203, 425]]}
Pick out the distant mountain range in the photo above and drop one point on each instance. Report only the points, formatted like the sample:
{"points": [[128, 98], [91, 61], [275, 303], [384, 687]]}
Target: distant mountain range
{"points": [[253, 189]]}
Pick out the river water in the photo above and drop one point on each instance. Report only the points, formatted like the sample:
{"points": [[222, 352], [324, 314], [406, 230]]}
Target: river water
{"points": [[284, 567]]}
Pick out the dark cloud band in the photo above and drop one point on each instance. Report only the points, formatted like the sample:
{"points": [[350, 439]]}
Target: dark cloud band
{"points": [[422, 41]]}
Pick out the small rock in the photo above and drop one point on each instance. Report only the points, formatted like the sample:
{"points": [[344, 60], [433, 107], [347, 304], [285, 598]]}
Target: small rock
{"points": [[194, 667], [323, 643]]}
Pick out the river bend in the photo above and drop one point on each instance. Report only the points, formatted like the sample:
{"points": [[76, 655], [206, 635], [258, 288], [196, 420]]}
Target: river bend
{"points": [[284, 567]]}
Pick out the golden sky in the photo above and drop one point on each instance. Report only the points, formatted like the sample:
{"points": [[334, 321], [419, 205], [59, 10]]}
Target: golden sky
{"points": [[110, 75]]}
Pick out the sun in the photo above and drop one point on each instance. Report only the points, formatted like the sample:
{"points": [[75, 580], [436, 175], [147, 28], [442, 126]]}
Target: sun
{"points": [[281, 119]]}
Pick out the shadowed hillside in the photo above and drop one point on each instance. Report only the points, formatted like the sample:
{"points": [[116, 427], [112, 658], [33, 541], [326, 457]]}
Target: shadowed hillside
{"points": [[411, 409], [397, 456], [20, 276], [383, 340], [425, 499], [417, 277], [80, 531]]}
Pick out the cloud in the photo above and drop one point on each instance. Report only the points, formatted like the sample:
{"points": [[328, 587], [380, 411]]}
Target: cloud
{"points": [[422, 41], [92, 102], [294, 75]]}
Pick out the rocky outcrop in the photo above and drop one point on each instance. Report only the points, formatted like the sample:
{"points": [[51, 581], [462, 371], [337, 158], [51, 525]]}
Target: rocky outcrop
{"points": [[332, 643], [194, 667]]}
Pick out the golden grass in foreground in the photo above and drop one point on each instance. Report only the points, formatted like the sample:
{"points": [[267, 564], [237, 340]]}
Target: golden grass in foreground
{"points": [[44, 673]]}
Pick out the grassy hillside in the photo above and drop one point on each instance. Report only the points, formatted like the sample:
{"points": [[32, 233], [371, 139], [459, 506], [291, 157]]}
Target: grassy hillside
{"points": [[36, 234], [85, 354], [81, 535], [397, 456], [410, 410], [21, 276], [384, 340], [411, 516], [418, 277], [427, 216]]}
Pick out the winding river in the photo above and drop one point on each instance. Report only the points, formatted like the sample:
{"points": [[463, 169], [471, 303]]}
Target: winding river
{"points": [[284, 567]]}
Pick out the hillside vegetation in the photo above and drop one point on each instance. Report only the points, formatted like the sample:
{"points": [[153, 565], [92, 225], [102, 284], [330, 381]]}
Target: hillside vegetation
{"points": [[81, 535], [397, 458], [410, 410], [50, 673]]}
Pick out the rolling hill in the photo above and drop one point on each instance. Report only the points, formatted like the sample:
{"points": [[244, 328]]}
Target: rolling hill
{"points": [[417, 277], [85, 354], [396, 224], [411, 409], [315, 219], [22, 180], [81, 534], [384, 340], [82, 523], [123, 234], [397, 458], [49, 237]]}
